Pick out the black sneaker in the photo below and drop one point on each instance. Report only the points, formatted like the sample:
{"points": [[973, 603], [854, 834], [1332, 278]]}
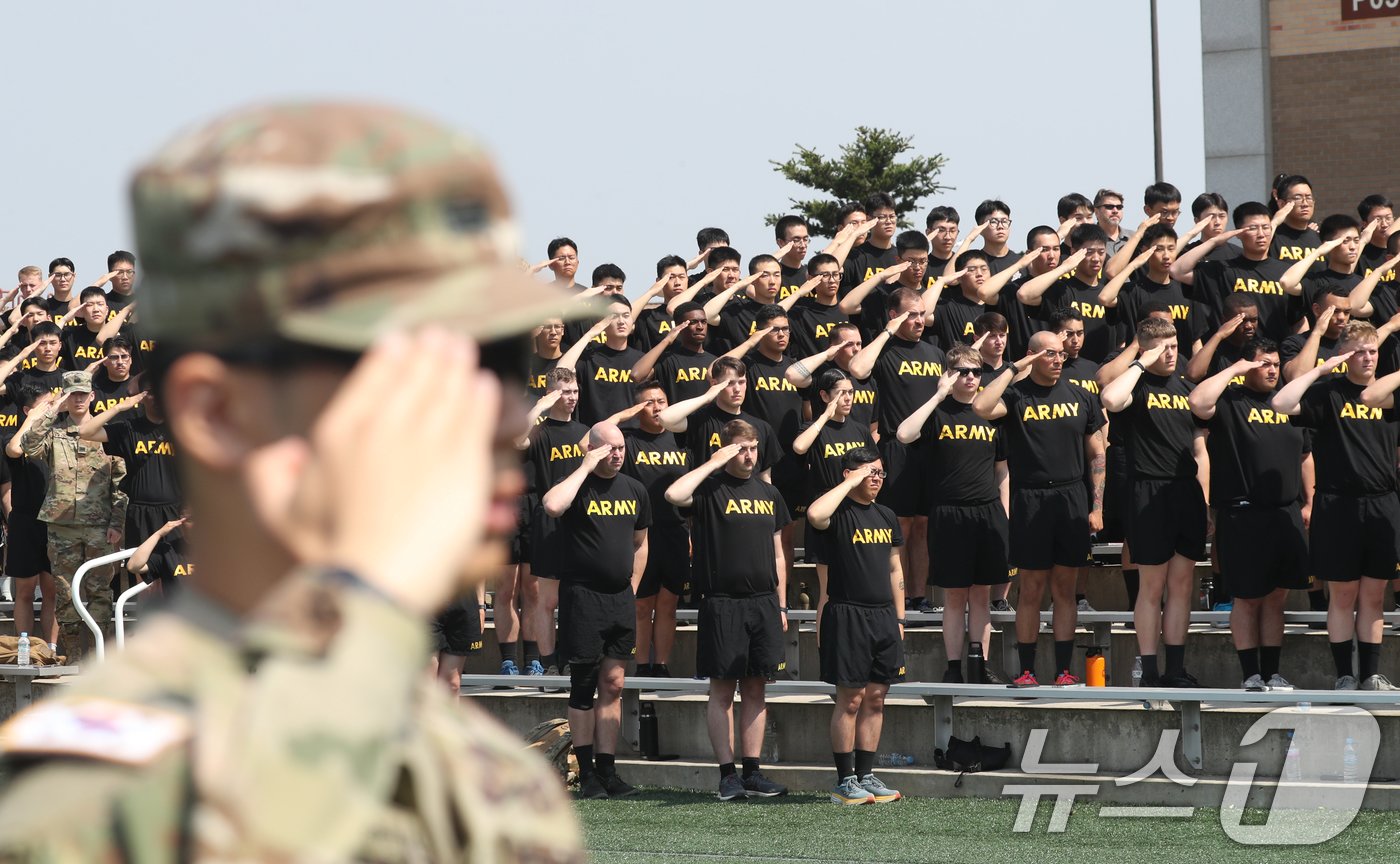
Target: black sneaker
{"points": [[731, 788], [952, 676], [616, 787], [643, 670], [757, 784], [991, 677], [1184, 681], [659, 670], [591, 788]]}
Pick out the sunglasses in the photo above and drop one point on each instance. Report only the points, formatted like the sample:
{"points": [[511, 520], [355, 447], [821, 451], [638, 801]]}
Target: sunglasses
{"points": [[963, 371]]}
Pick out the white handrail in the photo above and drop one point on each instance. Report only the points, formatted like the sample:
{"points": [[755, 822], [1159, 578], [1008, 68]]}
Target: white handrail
{"points": [[120, 611], [78, 596]]}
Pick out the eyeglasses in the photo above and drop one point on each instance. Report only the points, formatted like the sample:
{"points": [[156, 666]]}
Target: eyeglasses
{"points": [[780, 330], [1055, 355], [63, 276], [1111, 206], [125, 272], [1171, 214], [835, 274], [566, 259], [964, 371], [878, 473], [999, 223], [1261, 228], [946, 231], [886, 217], [1300, 199], [552, 327]]}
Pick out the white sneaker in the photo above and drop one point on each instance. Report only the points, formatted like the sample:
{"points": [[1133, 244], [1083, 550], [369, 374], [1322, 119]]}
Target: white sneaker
{"points": [[1255, 684], [1085, 607], [1278, 682], [5, 589]]}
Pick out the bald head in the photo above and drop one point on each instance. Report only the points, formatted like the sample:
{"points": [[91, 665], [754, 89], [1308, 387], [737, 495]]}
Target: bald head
{"points": [[1045, 341], [607, 434]]}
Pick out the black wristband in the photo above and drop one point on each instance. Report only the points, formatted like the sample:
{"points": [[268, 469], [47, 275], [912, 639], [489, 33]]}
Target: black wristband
{"points": [[899, 621], [1138, 364]]}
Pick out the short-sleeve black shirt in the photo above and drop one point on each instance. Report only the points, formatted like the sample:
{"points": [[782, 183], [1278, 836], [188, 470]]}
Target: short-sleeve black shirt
{"points": [[906, 374], [605, 381], [961, 450], [596, 533], [1255, 452], [146, 448], [684, 374], [1353, 445], [856, 548], [1159, 428], [1216, 280], [657, 459], [735, 521], [1045, 428]]}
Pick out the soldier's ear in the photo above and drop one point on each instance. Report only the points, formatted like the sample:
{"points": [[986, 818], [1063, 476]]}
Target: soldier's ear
{"points": [[210, 407]]}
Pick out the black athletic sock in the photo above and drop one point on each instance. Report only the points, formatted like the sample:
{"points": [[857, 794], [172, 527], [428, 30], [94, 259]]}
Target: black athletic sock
{"points": [[606, 763], [1368, 656], [1176, 660], [1064, 655], [508, 651], [955, 667], [726, 769], [865, 762], [1317, 600], [1131, 582], [845, 765], [1149, 668], [584, 754], [1341, 657], [750, 767], [532, 650], [1249, 662], [1268, 660], [1027, 652]]}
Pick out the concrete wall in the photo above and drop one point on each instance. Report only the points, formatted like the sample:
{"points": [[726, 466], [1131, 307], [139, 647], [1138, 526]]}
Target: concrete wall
{"points": [[1235, 79]]}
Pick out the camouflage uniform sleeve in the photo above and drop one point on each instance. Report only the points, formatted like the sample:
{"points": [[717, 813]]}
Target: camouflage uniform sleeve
{"points": [[117, 469], [303, 755], [37, 441]]}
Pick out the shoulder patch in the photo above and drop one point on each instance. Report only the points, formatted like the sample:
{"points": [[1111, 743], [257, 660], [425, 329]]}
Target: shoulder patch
{"points": [[100, 729]]}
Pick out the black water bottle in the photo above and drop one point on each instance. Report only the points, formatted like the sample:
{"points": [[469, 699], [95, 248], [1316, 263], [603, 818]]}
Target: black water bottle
{"points": [[651, 747], [976, 664]]}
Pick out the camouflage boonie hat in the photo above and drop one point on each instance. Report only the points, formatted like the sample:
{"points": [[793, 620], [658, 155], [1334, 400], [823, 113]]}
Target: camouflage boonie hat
{"points": [[76, 382], [326, 224]]}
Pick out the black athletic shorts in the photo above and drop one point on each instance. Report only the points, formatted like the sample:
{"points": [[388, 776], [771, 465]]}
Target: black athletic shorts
{"points": [[594, 624], [967, 545], [860, 645], [143, 520], [543, 543], [520, 547], [740, 637], [1261, 549], [668, 561], [27, 548], [1117, 493], [903, 491], [1168, 517], [811, 551], [1353, 536], [1050, 527], [457, 629]]}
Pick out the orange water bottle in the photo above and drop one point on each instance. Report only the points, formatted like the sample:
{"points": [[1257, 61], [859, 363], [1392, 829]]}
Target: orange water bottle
{"points": [[1094, 672]]}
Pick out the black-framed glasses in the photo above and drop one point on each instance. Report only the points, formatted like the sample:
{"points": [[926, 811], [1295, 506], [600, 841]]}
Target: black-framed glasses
{"points": [[879, 473], [963, 371], [999, 223], [1111, 206]]}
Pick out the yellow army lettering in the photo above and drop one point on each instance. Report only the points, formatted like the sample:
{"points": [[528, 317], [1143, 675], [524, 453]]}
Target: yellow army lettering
{"points": [[1167, 401], [873, 535], [1265, 415], [537, 382], [1088, 384], [967, 329], [693, 373], [1294, 253], [772, 382], [565, 451], [1388, 276], [1089, 310], [1258, 286], [922, 368], [964, 432], [9, 420], [840, 447], [662, 457], [146, 346], [664, 327], [184, 569], [823, 330], [90, 352], [1340, 370], [1357, 411], [153, 448], [863, 397], [1179, 312], [748, 506], [871, 271], [1051, 412], [612, 508], [613, 376]]}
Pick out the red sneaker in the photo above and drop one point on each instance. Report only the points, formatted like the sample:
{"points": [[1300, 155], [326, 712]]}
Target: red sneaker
{"points": [[1027, 679], [1065, 679]]}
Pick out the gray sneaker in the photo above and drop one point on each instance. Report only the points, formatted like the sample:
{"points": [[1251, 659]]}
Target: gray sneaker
{"points": [[1378, 682], [876, 787], [1085, 607], [849, 791], [1001, 606], [1255, 684], [1346, 682], [731, 788], [1278, 682]]}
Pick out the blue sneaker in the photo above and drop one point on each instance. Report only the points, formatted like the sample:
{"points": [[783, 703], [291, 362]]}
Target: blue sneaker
{"points": [[535, 668], [508, 667]]}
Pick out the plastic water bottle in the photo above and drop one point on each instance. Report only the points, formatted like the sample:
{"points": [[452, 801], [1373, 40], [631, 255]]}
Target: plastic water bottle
{"points": [[770, 751], [1292, 762], [895, 760], [1137, 672], [23, 652], [1349, 766]]}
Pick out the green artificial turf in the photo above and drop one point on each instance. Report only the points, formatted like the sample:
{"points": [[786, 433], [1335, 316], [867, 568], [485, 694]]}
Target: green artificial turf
{"points": [[674, 827]]}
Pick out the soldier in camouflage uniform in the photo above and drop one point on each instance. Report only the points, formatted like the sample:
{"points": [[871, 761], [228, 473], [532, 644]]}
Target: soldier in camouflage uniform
{"points": [[329, 287], [84, 508]]}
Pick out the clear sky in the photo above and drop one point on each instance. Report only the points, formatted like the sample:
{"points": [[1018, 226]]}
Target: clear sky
{"points": [[625, 125]]}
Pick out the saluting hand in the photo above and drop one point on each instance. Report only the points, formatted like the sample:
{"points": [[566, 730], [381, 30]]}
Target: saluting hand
{"points": [[594, 457], [724, 454]]}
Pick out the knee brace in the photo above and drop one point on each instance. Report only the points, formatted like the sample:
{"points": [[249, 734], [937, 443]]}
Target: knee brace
{"points": [[583, 685]]}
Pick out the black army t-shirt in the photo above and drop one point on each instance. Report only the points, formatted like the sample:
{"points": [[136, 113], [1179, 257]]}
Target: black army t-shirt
{"points": [[1255, 452], [793, 277], [962, 450], [1159, 428], [737, 322], [856, 548], [605, 384], [595, 534], [657, 459], [1045, 427], [684, 374], [812, 323], [735, 521], [906, 375], [1353, 444], [865, 261], [650, 327], [536, 384], [1101, 331], [1186, 317], [1021, 323], [1082, 373], [146, 448], [825, 456], [554, 453], [1291, 347], [1216, 280], [1291, 245], [702, 435], [106, 393], [953, 317], [865, 398]]}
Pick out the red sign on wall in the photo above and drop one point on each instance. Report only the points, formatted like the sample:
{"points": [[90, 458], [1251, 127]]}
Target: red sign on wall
{"points": [[1355, 9]]}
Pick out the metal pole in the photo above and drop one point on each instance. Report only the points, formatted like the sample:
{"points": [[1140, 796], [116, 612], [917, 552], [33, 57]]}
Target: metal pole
{"points": [[1156, 98]]}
